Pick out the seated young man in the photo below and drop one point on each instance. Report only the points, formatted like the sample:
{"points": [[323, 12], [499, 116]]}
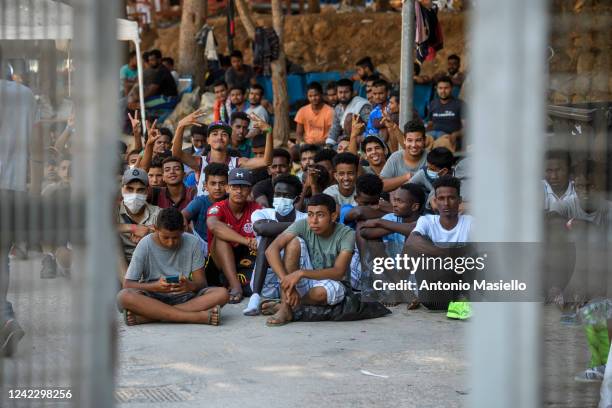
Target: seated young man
{"points": [[434, 234], [307, 154], [346, 166], [216, 180], [156, 173], [314, 279], [263, 191], [230, 232], [440, 162], [268, 223], [136, 217], [165, 280], [175, 194], [325, 158]]}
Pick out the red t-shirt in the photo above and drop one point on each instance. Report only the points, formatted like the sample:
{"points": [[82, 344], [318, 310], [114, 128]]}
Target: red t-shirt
{"points": [[243, 226]]}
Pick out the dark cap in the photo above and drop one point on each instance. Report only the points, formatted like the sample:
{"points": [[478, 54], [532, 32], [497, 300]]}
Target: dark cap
{"points": [[135, 174], [239, 177], [219, 125]]}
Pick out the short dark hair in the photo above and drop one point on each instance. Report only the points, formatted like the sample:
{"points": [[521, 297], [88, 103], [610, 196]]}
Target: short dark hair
{"points": [[237, 88], [239, 115], [170, 219], [236, 54], [216, 169], [290, 179], [131, 152], [417, 192], [415, 125], [345, 82], [145, 56], [365, 62], [325, 154], [324, 200], [156, 162], [346, 158], [172, 159], [168, 60], [315, 86], [369, 184], [309, 148], [219, 82], [259, 140], [132, 54], [445, 79], [199, 130], [448, 181], [395, 94], [372, 78], [324, 176], [258, 87], [156, 53], [166, 132], [454, 57], [331, 85], [417, 68], [279, 152], [441, 157], [379, 83]]}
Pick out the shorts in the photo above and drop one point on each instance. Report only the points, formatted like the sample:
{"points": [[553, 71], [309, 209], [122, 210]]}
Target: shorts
{"points": [[334, 289], [174, 299], [436, 133], [271, 286]]}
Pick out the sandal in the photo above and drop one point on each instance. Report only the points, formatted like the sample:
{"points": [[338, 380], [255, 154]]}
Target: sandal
{"points": [[210, 315], [267, 311], [235, 296]]}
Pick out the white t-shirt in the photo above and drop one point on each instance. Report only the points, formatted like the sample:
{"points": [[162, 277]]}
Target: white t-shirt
{"points": [[340, 199], [231, 164], [18, 115], [429, 226], [270, 214], [552, 202]]}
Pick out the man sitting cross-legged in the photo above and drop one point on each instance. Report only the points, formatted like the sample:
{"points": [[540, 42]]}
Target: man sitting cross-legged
{"points": [[313, 279], [165, 280]]}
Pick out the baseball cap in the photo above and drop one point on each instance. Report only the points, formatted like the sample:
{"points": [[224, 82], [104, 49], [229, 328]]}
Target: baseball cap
{"points": [[135, 174], [373, 138], [219, 125], [238, 177]]}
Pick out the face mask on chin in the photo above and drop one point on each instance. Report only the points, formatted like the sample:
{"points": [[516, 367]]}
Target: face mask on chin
{"points": [[134, 202], [282, 205]]}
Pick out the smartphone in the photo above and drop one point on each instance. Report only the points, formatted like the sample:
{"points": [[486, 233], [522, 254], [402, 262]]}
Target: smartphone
{"points": [[172, 279]]}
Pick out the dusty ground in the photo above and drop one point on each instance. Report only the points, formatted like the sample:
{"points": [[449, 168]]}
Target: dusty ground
{"points": [[245, 364]]}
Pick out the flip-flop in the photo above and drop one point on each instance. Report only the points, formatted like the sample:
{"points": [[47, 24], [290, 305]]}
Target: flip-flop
{"points": [[267, 301], [235, 297], [210, 316], [276, 324]]}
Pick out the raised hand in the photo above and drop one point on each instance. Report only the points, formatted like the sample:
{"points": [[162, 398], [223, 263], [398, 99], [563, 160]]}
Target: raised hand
{"points": [[135, 122], [192, 118], [357, 126], [259, 123]]}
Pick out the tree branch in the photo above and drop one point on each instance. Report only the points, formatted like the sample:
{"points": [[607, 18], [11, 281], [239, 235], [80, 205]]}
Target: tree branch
{"points": [[246, 18]]}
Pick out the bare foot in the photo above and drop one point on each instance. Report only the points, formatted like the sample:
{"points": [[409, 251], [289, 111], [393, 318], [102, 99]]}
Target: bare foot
{"points": [[281, 317], [269, 308], [212, 316], [132, 319]]}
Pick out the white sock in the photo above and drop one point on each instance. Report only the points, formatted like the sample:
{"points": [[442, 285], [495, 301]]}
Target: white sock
{"points": [[254, 302]]}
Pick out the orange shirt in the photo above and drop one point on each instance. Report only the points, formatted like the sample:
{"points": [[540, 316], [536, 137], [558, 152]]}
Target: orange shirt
{"points": [[316, 124]]}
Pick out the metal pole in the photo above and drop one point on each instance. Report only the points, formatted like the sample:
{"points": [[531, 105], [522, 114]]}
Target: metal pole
{"points": [[143, 115], [506, 128], [96, 54], [407, 64]]}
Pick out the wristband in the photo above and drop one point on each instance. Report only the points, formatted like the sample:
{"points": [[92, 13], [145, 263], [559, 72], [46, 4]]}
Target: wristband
{"points": [[268, 130]]}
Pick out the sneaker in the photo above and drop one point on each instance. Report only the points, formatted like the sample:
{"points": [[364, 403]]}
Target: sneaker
{"points": [[459, 310], [49, 267], [10, 335], [594, 374]]}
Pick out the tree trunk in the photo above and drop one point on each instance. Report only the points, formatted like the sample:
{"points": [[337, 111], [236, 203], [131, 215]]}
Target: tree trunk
{"points": [[279, 81], [314, 6], [191, 55], [278, 67]]}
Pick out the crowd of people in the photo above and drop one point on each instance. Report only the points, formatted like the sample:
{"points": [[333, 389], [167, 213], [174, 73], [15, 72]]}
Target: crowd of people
{"points": [[227, 216]]}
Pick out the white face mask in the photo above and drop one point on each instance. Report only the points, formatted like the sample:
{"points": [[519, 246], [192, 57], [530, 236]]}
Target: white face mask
{"points": [[282, 205], [432, 174], [134, 202]]}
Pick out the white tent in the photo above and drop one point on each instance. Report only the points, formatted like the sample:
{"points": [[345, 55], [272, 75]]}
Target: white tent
{"points": [[50, 20]]}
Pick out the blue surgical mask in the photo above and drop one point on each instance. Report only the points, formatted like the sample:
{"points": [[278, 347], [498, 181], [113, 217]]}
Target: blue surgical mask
{"points": [[197, 151], [432, 174], [282, 205]]}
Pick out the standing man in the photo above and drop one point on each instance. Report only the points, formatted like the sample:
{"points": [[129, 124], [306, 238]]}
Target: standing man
{"points": [[18, 116], [446, 116], [453, 64], [256, 93], [347, 104], [236, 102], [380, 95], [128, 75], [315, 119], [239, 74]]}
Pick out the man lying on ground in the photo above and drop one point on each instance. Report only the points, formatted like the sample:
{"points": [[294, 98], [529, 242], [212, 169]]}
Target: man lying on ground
{"points": [[165, 280]]}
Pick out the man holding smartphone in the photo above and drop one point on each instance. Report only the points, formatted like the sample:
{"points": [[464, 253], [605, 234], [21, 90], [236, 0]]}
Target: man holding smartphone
{"points": [[165, 280]]}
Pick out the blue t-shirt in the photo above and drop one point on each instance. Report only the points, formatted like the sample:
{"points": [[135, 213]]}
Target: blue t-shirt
{"points": [[197, 209], [395, 236], [343, 211], [190, 180], [376, 114], [126, 73]]}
